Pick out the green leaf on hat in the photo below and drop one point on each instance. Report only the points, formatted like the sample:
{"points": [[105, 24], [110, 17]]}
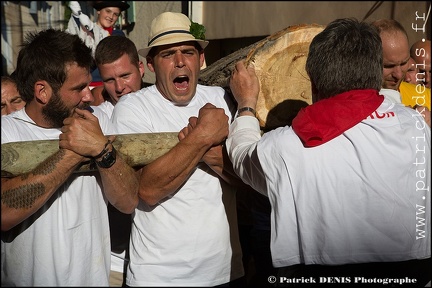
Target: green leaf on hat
{"points": [[197, 30]]}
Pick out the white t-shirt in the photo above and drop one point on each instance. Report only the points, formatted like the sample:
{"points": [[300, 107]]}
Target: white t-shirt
{"points": [[391, 94], [184, 240], [67, 242], [357, 198], [107, 107], [118, 259]]}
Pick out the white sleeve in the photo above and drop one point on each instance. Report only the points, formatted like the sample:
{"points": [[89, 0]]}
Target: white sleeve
{"points": [[104, 121], [241, 145]]}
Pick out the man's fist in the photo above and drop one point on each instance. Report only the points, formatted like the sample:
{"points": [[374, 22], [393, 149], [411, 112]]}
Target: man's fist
{"points": [[75, 7]]}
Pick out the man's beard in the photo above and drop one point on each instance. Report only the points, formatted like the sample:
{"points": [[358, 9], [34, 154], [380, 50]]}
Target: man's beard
{"points": [[55, 111]]}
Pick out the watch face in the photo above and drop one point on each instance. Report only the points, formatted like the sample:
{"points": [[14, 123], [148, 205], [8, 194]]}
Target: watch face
{"points": [[108, 159]]}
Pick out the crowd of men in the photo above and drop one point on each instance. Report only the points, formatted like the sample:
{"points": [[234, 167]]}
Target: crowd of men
{"points": [[346, 183]]}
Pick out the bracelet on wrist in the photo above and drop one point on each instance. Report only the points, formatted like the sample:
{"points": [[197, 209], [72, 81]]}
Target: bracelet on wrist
{"points": [[244, 109], [104, 150]]}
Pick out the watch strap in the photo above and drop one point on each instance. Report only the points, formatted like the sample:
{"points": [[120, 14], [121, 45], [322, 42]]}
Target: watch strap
{"points": [[108, 159]]}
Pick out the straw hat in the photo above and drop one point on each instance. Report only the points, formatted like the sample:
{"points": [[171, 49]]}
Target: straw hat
{"points": [[170, 28], [98, 5]]}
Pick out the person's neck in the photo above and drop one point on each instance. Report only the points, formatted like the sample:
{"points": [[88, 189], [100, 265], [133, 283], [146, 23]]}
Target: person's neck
{"points": [[109, 29], [34, 114]]}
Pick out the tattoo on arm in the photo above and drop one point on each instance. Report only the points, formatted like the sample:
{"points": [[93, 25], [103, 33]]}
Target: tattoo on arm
{"points": [[45, 168], [24, 196], [48, 167]]}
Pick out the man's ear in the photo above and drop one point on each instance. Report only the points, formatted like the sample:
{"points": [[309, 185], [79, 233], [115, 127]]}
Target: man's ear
{"points": [[203, 63], [141, 68], [150, 63], [42, 91]]}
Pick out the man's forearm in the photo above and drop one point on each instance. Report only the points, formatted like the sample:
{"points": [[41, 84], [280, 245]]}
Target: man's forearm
{"points": [[120, 185], [25, 194], [241, 147]]}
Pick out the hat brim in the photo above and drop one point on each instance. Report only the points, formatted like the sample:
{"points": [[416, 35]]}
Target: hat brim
{"points": [[171, 40], [103, 4]]}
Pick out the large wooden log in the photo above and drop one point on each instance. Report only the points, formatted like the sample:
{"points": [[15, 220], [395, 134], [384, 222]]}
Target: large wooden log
{"points": [[137, 149], [279, 62]]}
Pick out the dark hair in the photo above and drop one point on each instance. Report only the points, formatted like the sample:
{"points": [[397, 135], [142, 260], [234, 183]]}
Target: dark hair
{"points": [[346, 55], [113, 47], [44, 56]]}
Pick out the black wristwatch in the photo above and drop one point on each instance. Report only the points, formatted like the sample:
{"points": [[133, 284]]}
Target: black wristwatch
{"points": [[108, 159]]}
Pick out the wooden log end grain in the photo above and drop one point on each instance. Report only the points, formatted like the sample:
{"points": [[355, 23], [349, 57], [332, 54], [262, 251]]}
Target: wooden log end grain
{"points": [[279, 62]]}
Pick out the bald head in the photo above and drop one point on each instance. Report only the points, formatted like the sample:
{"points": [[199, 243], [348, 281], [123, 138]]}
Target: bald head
{"points": [[395, 58], [395, 52], [421, 53]]}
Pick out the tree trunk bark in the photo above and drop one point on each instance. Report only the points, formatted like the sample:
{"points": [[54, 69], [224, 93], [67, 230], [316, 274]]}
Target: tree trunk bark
{"points": [[137, 150]]}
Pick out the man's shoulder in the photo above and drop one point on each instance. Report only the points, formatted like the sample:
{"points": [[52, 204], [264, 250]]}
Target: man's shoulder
{"points": [[210, 88], [14, 119], [133, 97], [391, 94], [211, 92], [7, 126], [99, 110]]}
